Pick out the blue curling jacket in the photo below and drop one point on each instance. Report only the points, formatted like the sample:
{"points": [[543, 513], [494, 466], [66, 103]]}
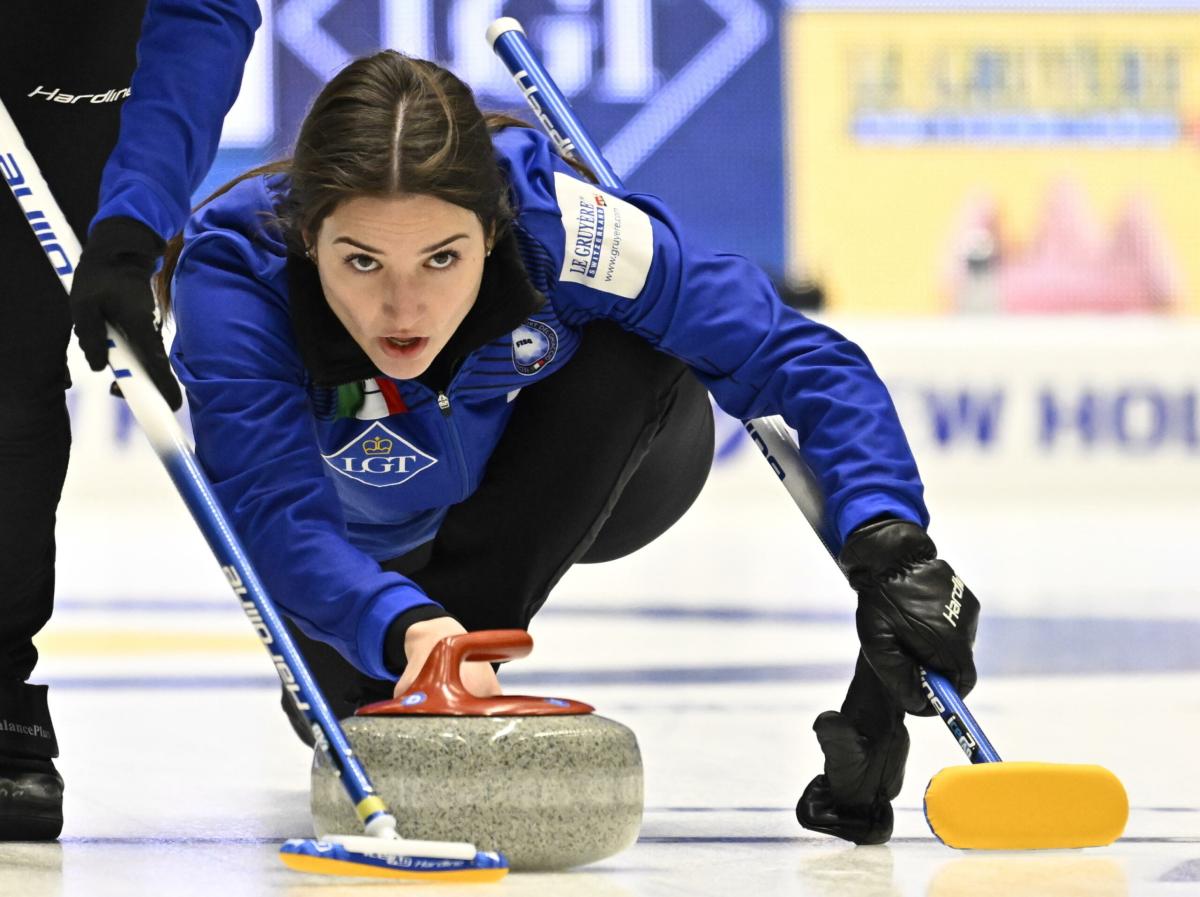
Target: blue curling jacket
{"points": [[190, 59], [327, 469]]}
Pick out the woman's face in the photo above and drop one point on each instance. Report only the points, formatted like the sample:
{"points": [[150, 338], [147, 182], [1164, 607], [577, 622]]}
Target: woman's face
{"points": [[401, 274]]}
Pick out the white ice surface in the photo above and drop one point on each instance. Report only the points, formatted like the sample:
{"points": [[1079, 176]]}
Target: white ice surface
{"points": [[190, 789]]}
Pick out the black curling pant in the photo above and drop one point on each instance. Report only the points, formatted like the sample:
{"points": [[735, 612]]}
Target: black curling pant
{"points": [[73, 47], [597, 461]]}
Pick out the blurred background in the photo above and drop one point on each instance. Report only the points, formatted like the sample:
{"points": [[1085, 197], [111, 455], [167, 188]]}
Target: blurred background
{"points": [[1000, 202]]}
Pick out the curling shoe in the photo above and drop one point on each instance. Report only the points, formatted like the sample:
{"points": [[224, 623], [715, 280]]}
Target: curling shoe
{"points": [[31, 797]]}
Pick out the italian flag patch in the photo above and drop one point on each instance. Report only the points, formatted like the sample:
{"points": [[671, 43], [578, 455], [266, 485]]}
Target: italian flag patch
{"points": [[369, 399]]}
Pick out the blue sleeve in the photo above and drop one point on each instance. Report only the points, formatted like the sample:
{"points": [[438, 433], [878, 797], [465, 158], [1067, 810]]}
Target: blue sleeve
{"points": [[630, 262], [255, 440], [190, 59]]}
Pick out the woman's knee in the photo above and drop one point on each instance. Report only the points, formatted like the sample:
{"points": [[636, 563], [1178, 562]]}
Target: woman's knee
{"points": [[668, 479]]}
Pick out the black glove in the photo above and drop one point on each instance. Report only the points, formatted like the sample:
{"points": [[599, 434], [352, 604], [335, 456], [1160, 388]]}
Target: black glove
{"points": [[912, 610], [112, 283], [865, 747]]}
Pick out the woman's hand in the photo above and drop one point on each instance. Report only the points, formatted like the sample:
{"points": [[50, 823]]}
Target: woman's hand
{"points": [[478, 677], [913, 611]]}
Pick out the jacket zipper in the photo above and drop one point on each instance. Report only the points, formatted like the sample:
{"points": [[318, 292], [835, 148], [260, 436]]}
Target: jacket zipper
{"points": [[443, 402]]}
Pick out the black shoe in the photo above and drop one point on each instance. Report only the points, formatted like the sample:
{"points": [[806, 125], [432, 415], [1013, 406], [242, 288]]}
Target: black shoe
{"points": [[300, 725], [867, 824], [344, 688], [31, 795]]}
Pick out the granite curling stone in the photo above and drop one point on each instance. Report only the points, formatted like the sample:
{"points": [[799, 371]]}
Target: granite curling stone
{"points": [[545, 781]]}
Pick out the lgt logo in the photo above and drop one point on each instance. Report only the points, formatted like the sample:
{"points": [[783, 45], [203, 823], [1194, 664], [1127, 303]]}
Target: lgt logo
{"points": [[379, 457], [572, 36], [622, 52]]}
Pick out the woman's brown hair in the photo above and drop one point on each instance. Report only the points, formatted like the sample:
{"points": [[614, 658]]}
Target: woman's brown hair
{"points": [[385, 125]]}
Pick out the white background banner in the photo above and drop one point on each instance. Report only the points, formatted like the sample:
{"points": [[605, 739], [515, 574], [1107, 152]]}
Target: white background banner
{"points": [[996, 410]]}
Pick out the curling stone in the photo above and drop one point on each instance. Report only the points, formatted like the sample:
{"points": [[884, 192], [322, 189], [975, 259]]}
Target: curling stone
{"points": [[545, 781]]}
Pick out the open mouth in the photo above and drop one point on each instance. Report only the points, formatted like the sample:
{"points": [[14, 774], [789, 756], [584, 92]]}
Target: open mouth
{"points": [[403, 348]]}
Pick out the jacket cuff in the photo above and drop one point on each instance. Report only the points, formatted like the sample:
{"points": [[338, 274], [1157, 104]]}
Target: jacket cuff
{"points": [[121, 236], [374, 624], [864, 508], [141, 198]]}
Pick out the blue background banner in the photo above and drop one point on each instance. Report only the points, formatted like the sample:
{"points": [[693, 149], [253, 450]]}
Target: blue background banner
{"points": [[684, 96]]}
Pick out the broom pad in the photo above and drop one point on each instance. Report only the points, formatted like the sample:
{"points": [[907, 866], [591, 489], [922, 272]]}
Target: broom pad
{"points": [[1026, 806]]}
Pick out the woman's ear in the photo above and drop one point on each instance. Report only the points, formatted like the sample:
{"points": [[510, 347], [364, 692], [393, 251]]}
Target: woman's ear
{"points": [[490, 240]]}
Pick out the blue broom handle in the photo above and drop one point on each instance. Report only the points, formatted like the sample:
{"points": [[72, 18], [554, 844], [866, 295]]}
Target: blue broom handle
{"points": [[509, 42], [62, 249], [770, 434], [954, 713]]}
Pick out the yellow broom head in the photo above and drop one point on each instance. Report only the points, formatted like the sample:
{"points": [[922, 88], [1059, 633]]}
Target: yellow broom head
{"points": [[1026, 806]]}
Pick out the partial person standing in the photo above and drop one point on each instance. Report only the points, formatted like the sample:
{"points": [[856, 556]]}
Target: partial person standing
{"points": [[121, 104]]}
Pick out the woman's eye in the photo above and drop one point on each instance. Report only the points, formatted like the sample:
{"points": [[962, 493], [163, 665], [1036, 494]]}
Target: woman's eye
{"points": [[362, 263], [443, 259]]}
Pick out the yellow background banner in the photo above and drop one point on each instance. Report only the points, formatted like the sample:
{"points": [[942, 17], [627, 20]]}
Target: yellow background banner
{"points": [[1008, 162]]}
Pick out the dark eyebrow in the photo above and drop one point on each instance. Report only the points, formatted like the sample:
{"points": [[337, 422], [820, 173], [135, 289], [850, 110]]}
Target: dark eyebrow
{"points": [[445, 242], [434, 247], [359, 245]]}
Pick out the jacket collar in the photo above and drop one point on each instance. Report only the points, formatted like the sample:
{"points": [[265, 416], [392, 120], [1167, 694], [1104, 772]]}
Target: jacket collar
{"points": [[332, 357]]}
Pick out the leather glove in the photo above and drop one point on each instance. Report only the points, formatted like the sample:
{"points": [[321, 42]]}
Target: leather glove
{"points": [[912, 610], [865, 748], [112, 284]]}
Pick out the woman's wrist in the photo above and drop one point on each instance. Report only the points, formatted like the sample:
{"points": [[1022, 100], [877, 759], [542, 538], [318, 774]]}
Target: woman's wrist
{"points": [[396, 642], [425, 634]]}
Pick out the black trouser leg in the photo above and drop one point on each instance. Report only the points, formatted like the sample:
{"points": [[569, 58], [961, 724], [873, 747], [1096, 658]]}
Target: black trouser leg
{"points": [[75, 47], [34, 444], [81, 48], [597, 461], [35, 439]]}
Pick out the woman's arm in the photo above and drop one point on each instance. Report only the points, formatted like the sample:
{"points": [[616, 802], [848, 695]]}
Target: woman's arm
{"points": [[255, 439], [190, 59], [626, 258]]}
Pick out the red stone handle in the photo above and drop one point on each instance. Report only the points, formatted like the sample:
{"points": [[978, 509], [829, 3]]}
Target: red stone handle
{"points": [[438, 689]]}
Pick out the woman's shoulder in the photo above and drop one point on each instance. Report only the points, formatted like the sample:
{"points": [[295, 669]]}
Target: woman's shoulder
{"points": [[541, 180], [572, 229], [243, 220], [230, 286], [517, 145], [529, 161]]}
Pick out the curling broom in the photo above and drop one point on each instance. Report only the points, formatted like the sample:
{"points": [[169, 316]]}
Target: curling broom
{"points": [[991, 804], [381, 853]]}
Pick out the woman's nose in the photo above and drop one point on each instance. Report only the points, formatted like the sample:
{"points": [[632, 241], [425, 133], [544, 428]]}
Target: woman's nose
{"points": [[402, 304]]}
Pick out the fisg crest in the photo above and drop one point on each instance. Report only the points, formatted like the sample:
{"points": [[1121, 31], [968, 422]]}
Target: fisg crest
{"points": [[534, 345], [379, 457]]}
